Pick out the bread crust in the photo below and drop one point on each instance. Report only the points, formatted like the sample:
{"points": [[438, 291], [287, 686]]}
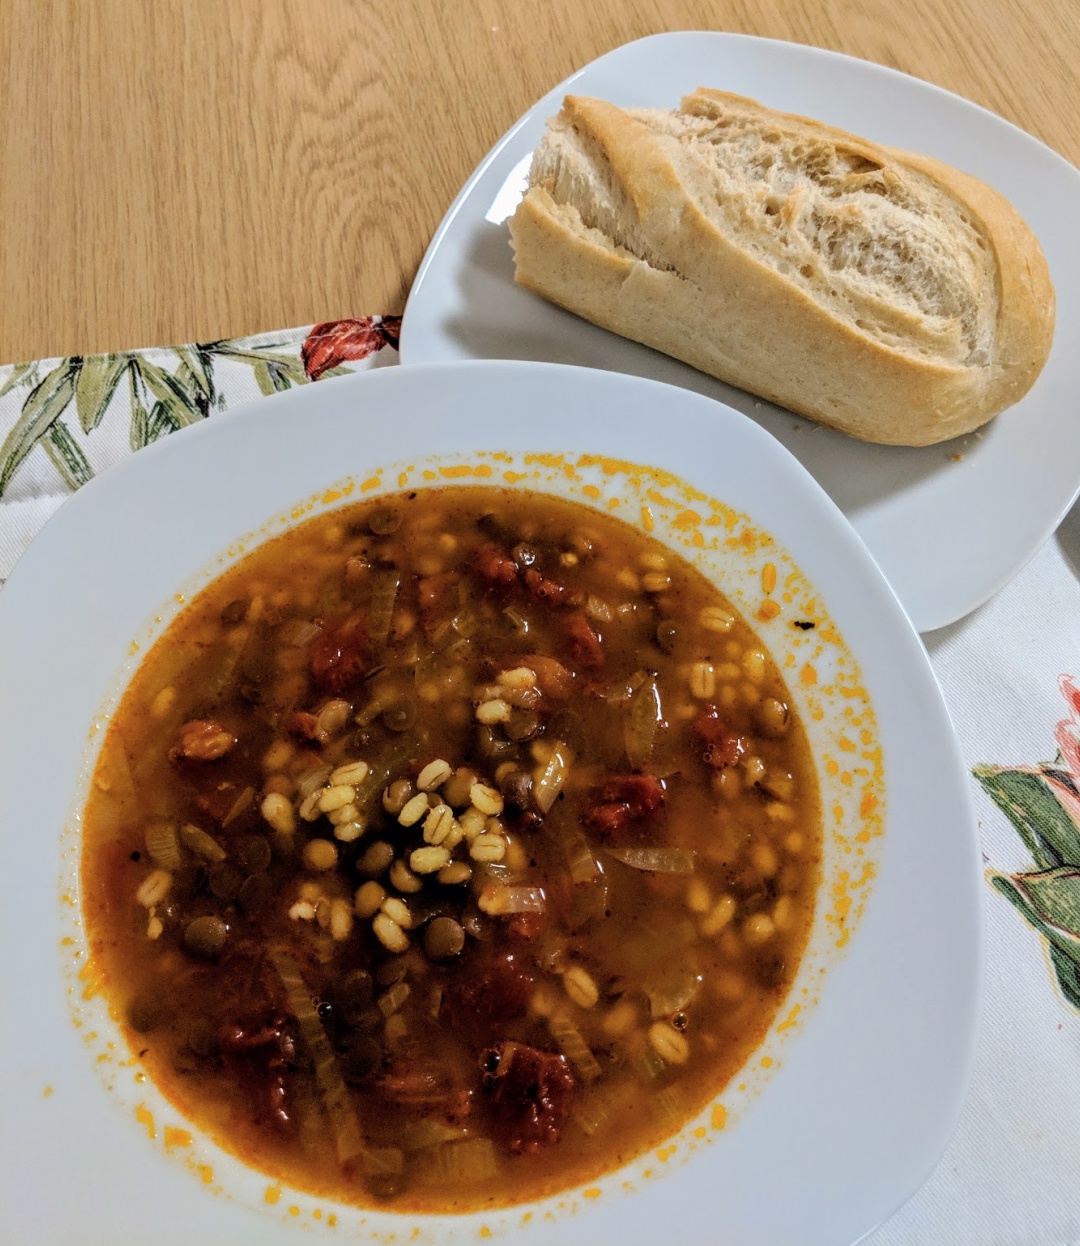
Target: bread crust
{"points": [[704, 298]]}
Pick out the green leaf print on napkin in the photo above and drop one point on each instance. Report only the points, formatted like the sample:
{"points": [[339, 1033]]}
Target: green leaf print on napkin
{"points": [[66, 456], [1043, 804], [1068, 974], [42, 408], [1055, 896], [178, 386], [1028, 800], [95, 385]]}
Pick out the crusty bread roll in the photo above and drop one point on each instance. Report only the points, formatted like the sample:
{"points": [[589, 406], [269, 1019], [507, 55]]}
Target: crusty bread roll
{"points": [[881, 293]]}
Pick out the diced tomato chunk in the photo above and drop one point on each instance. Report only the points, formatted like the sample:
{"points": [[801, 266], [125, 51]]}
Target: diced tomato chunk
{"points": [[340, 657], [217, 801], [495, 567], [527, 926], [723, 745], [254, 1054], [621, 801], [543, 588], [608, 819], [552, 678], [486, 1002], [584, 642], [531, 1091], [304, 724], [644, 793]]}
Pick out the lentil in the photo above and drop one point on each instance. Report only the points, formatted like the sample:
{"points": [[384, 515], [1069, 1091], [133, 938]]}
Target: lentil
{"points": [[320, 855], [455, 873], [403, 879], [397, 795], [369, 898], [376, 859], [444, 939]]}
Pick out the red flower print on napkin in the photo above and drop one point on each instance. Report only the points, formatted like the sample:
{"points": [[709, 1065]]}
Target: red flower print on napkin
{"points": [[335, 341], [1066, 778]]}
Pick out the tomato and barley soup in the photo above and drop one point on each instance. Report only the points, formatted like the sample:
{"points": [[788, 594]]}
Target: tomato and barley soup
{"points": [[451, 849]]}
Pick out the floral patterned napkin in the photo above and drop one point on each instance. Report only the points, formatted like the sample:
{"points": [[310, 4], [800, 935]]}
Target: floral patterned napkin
{"points": [[1011, 677], [63, 421]]}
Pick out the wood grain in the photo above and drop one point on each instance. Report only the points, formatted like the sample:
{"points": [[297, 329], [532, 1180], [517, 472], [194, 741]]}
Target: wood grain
{"points": [[192, 169]]}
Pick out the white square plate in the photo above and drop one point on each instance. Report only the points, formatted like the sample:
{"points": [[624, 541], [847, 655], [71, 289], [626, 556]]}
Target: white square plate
{"points": [[862, 1090], [947, 531]]}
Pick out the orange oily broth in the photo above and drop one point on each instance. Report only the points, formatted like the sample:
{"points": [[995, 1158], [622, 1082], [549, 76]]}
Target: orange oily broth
{"points": [[556, 1044]]}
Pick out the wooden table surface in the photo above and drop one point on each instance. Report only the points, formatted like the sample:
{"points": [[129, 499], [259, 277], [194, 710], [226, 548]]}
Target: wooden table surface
{"points": [[190, 169]]}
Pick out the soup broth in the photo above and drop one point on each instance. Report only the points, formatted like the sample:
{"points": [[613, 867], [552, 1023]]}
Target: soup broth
{"points": [[450, 850]]}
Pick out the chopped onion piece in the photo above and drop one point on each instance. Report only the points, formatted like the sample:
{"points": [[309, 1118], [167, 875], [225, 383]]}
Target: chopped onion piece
{"points": [[643, 719], [381, 699], [394, 998], [598, 609], [592, 1114], [496, 899], [242, 802], [458, 1163], [597, 1108], [332, 1089], [464, 623], [298, 632], [518, 622], [385, 769], [588, 903], [655, 860], [549, 779], [498, 870], [226, 664], [385, 582], [579, 857], [428, 1132], [312, 781], [673, 989], [381, 1161], [574, 1047], [649, 1064], [669, 1105], [121, 780]]}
